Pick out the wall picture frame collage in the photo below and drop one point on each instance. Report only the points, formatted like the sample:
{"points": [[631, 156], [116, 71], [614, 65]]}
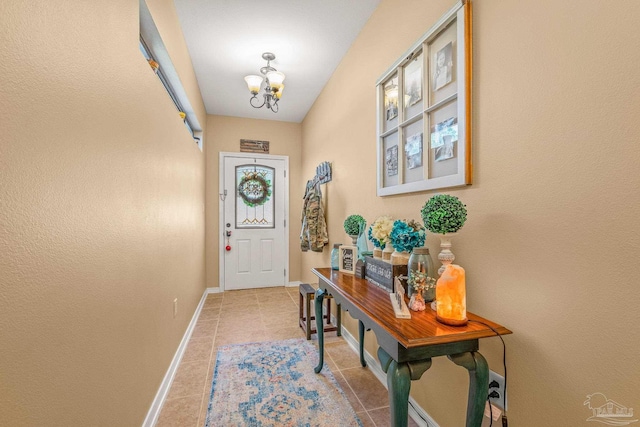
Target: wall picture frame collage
{"points": [[427, 92]]}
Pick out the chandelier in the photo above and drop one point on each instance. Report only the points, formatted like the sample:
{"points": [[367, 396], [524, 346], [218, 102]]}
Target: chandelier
{"points": [[273, 89]]}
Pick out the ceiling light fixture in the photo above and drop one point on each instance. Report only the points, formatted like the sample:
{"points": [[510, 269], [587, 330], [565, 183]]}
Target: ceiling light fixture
{"points": [[273, 89]]}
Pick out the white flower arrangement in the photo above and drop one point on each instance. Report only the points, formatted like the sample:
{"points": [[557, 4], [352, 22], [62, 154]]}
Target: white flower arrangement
{"points": [[381, 230]]}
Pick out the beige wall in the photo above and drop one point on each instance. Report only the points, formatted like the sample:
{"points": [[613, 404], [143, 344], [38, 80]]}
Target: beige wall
{"points": [[101, 214], [552, 242], [224, 134]]}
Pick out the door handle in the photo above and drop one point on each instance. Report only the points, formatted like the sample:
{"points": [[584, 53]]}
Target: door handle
{"points": [[228, 247]]}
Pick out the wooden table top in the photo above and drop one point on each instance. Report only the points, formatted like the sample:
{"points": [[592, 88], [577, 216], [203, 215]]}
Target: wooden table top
{"points": [[421, 330]]}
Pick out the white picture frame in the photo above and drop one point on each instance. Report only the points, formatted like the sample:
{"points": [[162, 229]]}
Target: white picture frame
{"points": [[446, 94]]}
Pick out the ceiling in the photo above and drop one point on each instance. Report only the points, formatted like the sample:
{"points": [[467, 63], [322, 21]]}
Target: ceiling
{"points": [[226, 40]]}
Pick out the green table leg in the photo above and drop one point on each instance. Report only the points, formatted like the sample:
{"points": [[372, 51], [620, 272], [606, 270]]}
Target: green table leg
{"points": [[399, 384], [361, 336], [319, 299], [478, 369]]}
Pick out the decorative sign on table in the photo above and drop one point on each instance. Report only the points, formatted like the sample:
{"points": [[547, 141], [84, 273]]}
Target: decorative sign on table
{"points": [[360, 268], [347, 258], [381, 273], [397, 302]]}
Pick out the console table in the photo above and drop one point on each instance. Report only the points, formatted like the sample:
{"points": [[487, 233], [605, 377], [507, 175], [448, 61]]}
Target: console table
{"points": [[407, 345]]}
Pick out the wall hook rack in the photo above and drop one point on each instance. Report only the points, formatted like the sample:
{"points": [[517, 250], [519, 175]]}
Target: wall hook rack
{"points": [[323, 173]]}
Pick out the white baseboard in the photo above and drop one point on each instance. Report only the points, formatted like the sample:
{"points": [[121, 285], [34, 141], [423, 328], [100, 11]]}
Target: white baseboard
{"points": [[416, 412], [161, 395], [213, 290], [293, 284]]}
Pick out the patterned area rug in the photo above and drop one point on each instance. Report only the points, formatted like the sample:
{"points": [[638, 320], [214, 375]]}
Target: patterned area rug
{"points": [[273, 384]]}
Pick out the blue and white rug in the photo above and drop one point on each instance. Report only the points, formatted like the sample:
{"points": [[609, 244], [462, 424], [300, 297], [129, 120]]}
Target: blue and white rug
{"points": [[273, 384]]}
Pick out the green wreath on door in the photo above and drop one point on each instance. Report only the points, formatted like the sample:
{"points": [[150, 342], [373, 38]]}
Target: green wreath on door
{"points": [[254, 190]]}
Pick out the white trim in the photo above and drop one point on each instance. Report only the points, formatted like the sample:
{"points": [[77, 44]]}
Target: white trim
{"points": [[293, 284], [214, 290], [156, 406], [222, 156], [221, 199], [416, 412]]}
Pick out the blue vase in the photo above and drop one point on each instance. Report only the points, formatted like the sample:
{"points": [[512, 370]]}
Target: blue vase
{"points": [[335, 254], [362, 244]]}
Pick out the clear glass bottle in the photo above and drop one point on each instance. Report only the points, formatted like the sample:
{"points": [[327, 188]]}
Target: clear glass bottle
{"points": [[335, 254], [420, 260]]}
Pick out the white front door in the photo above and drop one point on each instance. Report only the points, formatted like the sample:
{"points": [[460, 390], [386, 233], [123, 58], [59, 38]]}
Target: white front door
{"points": [[254, 241]]}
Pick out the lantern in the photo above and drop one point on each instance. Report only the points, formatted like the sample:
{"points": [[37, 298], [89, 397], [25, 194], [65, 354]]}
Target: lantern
{"points": [[451, 295]]}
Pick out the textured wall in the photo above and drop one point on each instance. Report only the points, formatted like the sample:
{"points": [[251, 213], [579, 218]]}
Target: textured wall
{"points": [[101, 215], [284, 139], [552, 242]]}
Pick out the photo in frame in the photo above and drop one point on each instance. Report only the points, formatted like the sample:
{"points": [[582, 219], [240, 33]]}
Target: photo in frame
{"points": [[392, 161], [413, 151], [444, 136], [413, 82], [391, 99], [347, 258], [443, 68]]}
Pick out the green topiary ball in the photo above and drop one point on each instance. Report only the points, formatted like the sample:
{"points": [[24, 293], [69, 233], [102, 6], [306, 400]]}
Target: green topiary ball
{"points": [[443, 214], [352, 224]]}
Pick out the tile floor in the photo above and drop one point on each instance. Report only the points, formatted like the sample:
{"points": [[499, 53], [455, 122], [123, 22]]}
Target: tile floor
{"points": [[225, 319]]}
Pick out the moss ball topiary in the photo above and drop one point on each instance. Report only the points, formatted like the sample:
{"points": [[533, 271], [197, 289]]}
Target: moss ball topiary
{"points": [[352, 224], [444, 214]]}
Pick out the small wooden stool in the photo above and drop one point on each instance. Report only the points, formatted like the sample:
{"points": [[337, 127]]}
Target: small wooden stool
{"points": [[307, 316]]}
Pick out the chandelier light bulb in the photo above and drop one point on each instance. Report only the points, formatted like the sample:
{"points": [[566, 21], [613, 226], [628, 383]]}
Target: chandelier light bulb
{"points": [[279, 92], [254, 83], [275, 79]]}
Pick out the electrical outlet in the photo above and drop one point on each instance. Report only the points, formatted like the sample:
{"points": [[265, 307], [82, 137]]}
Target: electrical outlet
{"points": [[498, 401], [175, 308]]}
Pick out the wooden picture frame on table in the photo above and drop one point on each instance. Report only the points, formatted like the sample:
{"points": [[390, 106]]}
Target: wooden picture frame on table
{"points": [[347, 258]]}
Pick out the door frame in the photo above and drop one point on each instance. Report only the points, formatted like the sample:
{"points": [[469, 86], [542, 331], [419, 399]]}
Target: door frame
{"points": [[222, 201]]}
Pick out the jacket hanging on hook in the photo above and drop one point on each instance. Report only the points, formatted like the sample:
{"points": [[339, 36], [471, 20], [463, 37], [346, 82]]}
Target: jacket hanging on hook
{"points": [[314, 227]]}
